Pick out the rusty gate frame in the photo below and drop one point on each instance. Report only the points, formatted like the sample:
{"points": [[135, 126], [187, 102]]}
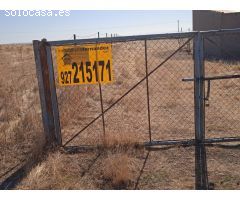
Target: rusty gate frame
{"points": [[49, 104]]}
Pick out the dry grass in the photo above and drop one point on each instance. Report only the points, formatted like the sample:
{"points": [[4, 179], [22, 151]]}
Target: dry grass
{"points": [[117, 170], [113, 169], [21, 132], [120, 140], [118, 163], [9, 106], [53, 173], [58, 171]]}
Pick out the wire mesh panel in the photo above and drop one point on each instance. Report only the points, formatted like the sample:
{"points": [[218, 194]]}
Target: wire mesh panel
{"points": [[223, 166], [171, 99], [78, 106], [172, 168], [136, 105], [81, 104], [222, 94], [128, 118], [21, 131]]}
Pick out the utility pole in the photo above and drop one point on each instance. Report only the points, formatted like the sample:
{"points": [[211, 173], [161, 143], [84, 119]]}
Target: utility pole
{"points": [[178, 25], [189, 45], [74, 38], [178, 32]]}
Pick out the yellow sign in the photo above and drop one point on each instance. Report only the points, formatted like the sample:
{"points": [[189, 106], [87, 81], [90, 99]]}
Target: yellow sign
{"points": [[84, 64]]}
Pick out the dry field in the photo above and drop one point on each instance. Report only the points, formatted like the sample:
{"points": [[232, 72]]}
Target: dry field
{"points": [[121, 164], [21, 135]]}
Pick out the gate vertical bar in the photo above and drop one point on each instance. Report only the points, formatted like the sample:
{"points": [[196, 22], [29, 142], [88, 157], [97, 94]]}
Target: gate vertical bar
{"points": [[148, 103], [54, 96], [100, 92], [201, 178], [46, 91], [101, 99]]}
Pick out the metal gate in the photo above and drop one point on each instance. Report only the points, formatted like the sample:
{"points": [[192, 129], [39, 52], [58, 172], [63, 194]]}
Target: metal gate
{"points": [[149, 102]]}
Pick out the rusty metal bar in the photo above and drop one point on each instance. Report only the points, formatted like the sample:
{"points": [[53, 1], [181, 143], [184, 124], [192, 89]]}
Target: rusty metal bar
{"points": [[191, 142], [124, 38], [214, 77], [100, 93], [54, 100], [147, 85], [46, 90]]}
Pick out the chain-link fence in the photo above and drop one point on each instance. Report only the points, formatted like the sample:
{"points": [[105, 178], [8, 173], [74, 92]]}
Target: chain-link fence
{"points": [[222, 91], [141, 108], [222, 106], [177, 89], [21, 134], [166, 87]]}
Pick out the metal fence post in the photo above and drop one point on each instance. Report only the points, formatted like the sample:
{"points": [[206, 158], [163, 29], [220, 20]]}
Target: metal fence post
{"points": [[47, 91], [201, 178]]}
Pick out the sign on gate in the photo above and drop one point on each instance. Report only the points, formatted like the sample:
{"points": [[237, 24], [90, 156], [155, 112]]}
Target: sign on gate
{"points": [[84, 64]]}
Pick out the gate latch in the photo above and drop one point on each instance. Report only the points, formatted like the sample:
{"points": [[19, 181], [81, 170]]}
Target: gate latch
{"points": [[209, 79]]}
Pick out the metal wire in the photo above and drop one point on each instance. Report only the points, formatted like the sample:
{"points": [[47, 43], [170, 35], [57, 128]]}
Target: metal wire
{"points": [[126, 93]]}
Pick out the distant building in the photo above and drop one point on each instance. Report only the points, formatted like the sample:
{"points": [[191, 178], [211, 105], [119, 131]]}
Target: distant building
{"points": [[228, 46]]}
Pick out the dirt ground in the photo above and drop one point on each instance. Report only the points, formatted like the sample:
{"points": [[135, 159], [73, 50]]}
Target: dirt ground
{"points": [[122, 165]]}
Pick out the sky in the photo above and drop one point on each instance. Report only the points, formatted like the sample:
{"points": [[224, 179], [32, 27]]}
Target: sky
{"points": [[86, 24]]}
